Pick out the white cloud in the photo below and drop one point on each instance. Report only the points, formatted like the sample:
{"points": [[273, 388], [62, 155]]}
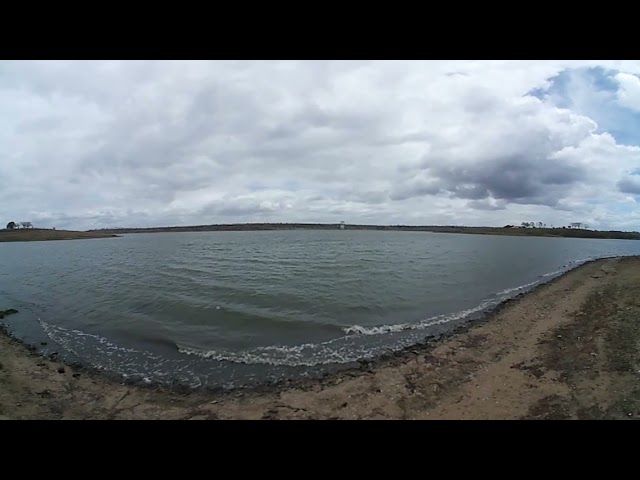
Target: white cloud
{"points": [[92, 144], [629, 90]]}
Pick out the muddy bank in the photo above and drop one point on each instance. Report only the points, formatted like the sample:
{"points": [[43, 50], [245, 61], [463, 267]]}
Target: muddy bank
{"points": [[567, 350]]}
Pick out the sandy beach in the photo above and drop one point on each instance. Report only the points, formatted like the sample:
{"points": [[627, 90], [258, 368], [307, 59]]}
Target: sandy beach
{"points": [[569, 349]]}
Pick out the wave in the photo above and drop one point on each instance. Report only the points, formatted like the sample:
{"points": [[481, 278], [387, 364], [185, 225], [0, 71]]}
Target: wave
{"points": [[582, 260], [130, 363], [337, 351], [429, 322], [359, 330], [304, 355], [551, 274], [63, 336], [518, 288]]}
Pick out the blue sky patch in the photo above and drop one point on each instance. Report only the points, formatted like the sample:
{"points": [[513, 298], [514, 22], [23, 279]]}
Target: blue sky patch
{"points": [[592, 92]]}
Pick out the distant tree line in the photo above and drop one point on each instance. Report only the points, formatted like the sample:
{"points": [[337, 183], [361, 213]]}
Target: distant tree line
{"points": [[578, 225], [533, 225]]}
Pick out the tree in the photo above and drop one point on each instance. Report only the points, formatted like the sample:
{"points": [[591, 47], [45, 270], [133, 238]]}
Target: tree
{"points": [[11, 225], [26, 224], [539, 224]]}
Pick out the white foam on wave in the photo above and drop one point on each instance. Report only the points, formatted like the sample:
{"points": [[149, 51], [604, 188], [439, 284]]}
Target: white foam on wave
{"points": [[551, 274], [518, 288], [429, 322], [585, 260], [576, 263], [307, 354], [360, 330], [102, 354], [63, 336]]}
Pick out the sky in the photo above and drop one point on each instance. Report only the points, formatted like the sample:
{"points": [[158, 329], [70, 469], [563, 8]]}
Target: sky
{"points": [[98, 144]]}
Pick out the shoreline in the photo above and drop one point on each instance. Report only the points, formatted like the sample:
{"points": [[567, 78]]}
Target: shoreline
{"points": [[262, 401], [45, 235]]}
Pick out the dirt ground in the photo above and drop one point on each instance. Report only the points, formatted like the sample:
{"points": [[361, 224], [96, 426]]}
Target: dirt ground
{"points": [[570, 349]]}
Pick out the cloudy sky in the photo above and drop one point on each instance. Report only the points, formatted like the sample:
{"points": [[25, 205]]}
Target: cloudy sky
{"points": [[91, 144]]}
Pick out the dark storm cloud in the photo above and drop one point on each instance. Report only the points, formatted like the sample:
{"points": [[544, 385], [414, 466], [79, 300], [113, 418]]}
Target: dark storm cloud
{"points": [[513, 179]]}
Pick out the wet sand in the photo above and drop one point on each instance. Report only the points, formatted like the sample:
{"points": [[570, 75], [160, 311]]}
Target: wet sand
{"points": [[569, 349]]}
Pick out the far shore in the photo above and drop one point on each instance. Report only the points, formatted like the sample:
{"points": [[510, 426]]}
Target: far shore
{"points": [[568, 349], [42, 234], [510, 231]]}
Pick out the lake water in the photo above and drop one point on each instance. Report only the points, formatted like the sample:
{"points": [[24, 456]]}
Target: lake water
{"points": [[226, 309]]}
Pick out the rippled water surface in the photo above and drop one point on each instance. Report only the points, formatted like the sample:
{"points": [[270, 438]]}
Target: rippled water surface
{"points": [[233, 308]]}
